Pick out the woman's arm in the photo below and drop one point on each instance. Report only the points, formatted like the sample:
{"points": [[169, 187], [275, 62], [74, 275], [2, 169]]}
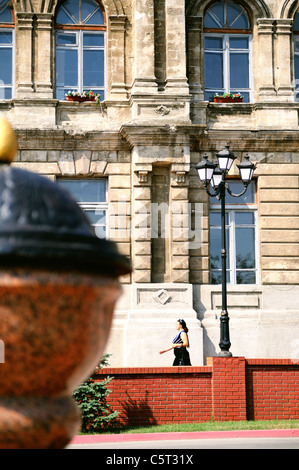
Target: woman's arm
{"points": [[184, 338], [170, 348]]}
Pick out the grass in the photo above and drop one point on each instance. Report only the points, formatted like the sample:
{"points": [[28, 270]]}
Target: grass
{"points": [[212, 426]]}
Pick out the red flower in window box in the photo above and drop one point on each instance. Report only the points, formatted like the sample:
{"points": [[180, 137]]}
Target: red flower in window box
{"points": [[228, 98]]}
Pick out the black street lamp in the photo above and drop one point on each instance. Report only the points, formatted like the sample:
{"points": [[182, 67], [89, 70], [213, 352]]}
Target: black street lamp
{"points": [[211, 174]]}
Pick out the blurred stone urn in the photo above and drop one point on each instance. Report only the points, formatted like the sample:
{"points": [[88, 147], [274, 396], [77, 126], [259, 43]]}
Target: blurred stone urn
{"points": [[58, 287]]}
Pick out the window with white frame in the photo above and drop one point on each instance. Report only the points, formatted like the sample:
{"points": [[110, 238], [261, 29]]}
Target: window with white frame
{"points": [[91, 195], [241, 236], [80, 48], [296, 55], [6, 51], [227, 50]]}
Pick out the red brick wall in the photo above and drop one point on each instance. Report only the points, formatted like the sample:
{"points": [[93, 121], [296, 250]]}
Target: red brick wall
{"points": [[227, 389], [272, 389], [160, 395]]}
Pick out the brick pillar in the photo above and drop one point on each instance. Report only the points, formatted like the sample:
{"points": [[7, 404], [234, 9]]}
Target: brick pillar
{"points": [[228, 388]]}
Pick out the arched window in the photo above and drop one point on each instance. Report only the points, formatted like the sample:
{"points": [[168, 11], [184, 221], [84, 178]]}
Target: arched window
{"points": [[80, 48], [6, 50], [296, 55], [227, 50]]}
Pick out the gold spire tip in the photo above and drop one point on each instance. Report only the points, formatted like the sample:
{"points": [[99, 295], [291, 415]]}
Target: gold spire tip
{"points": [[8, 142]]}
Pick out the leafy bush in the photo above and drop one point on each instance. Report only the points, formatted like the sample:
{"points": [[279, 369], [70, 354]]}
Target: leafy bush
{"points": [[97, 415]]}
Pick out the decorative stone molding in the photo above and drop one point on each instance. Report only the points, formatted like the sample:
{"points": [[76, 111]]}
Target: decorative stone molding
{"points": [[117, 42], [162, 110], [43, 55], [24, 49], [265, 31], [142, 176]]}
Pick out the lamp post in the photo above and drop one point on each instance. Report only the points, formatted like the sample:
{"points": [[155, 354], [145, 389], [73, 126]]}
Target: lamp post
{"points": [[214, 175]]}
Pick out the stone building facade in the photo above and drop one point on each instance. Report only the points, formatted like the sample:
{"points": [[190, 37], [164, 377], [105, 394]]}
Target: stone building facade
{"points": [[156, 64]]}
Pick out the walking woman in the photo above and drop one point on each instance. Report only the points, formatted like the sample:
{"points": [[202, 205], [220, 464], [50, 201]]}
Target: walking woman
{"points": [[179, 345]]}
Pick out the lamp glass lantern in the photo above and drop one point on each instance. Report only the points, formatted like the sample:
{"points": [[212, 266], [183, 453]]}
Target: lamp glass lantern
{"points": [[216, 178], [205, 169], [246, 169], [225, 159]]}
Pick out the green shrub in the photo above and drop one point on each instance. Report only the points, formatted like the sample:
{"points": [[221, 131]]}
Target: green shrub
{"points": [[91, 396]]}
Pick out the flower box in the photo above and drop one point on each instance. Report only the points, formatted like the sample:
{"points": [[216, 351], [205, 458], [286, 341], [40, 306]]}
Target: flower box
{"points": [[220, 99], [237, 98], [80, 99]]}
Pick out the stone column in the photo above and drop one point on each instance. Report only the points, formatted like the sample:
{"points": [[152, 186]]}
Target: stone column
{"points": [[195, 57], [265, 71], [283, 60], [176, 80], [144, 47], [141, 222], [24, 55], [117, 46], [180, 223], [43, 55]]}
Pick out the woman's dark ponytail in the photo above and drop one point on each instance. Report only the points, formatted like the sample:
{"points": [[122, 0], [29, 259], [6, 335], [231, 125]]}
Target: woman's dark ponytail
{"points": [[183, 325]]}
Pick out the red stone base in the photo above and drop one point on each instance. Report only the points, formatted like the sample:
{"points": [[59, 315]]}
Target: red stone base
{"points": [[38, 423]]}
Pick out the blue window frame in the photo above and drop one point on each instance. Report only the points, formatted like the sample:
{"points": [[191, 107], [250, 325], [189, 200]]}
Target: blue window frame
{"points": [[91, 195], [241, 237], [6, 51], [227, 50], [80, 48]]}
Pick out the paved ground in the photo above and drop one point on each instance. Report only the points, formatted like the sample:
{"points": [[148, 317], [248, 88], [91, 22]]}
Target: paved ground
{"points": [[259, 439]]}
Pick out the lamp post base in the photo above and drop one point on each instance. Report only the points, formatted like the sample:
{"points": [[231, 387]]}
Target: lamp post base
{"points": [[224, 354]]}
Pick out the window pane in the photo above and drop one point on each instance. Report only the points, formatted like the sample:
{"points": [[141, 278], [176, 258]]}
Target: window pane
{"points": [[226, 15], [64, 17], [219, 9], [93, 68], [244, 218], [215, 248], [5, 93], [6, 66], [66, 68], [5, 37], [86, 191], [239, 70], [296, 22], [245, 248], [96, 217], [241, 22], [66, 39], [61, 92], [233, 12], [238, 42], [90, 39], [211, 21], [237, 187], [213, 70], [213, 43], [215, 218], [246, 277], [5, 14], [73, 8], [96, 18], [88, 6], [297, 77]]}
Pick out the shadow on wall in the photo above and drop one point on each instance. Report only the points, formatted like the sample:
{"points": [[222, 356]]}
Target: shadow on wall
{"points": [[136, 413], [208, 346]]}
